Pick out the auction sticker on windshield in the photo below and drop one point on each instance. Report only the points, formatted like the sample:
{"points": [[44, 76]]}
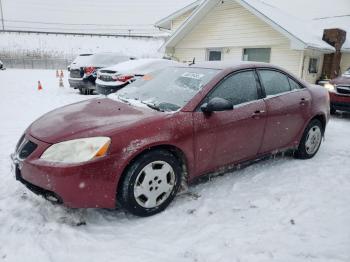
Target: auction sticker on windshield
{"points": [[192, 75]]}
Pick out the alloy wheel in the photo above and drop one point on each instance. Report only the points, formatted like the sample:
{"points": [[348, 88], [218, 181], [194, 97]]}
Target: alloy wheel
{"points": [[313, 140], [154, 184]]}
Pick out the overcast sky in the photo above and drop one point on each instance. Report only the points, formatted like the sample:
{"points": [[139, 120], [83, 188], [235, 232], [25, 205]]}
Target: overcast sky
{"points": [[136, 14], [115, 13]]}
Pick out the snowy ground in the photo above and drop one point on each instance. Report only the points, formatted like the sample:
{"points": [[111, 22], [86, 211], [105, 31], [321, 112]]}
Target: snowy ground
{"points": [[277, 210]]}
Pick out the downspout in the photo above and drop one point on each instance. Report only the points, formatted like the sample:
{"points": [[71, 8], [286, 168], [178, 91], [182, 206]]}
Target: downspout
{"points": [[302, 64]]}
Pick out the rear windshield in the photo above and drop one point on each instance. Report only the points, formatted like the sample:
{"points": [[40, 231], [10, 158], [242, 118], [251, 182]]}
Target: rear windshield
{"points": [[104, 60], [168, 89], [82, 60]]}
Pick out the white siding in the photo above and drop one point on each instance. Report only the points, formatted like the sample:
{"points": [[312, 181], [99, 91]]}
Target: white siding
{"points": [[232, 53], [187, 54], [286, 58], [231, 27], [229, 24], [345, 62], [179, 20]]}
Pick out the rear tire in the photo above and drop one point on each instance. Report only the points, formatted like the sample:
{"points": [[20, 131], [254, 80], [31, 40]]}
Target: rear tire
{"points": [[311, 140], [85, 91], [333, 110], [150, 183]]}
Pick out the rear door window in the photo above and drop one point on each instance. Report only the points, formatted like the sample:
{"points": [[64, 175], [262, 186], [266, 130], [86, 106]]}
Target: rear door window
{"points": [[238, 88], [294, 85], [274, 82]]}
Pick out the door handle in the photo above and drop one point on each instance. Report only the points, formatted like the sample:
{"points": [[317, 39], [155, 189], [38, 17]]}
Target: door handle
{"points": [[303, 101], [257, 114]]}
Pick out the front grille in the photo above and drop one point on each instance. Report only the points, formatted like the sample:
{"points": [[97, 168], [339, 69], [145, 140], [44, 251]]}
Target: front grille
{"points": [[26, 149], [76, 73], [343, 90], [106, 78]]}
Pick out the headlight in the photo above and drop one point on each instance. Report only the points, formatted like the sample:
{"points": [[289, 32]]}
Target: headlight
{"points": [[329, 86], [77, 150]]}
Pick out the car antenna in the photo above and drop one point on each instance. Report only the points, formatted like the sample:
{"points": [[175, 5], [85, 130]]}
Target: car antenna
{"points": [[193, 61]]}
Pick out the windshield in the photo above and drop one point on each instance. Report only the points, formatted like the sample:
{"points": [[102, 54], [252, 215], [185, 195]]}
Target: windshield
{"points": [[168, 89], [347, 72]]}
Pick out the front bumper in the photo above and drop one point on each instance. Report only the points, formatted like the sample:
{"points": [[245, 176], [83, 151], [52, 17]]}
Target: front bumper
{"points": [[340, 101], [91, 184]]}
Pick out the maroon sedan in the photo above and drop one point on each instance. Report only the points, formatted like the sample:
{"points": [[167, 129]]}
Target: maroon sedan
{"points": [[136, 147], [339, 91]]}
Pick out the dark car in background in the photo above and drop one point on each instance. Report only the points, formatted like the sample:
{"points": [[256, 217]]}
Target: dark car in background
{"points": [[339, 92], [111, 79], [82, 72], [1, 65], [79, 60]]}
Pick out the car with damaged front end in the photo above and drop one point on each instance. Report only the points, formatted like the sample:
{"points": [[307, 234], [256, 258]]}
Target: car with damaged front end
{"points": [[137, 146]]}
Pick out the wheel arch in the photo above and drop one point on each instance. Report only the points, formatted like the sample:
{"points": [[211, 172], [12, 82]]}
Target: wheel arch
{"points": [[319, 116], [322, 118], [174, 150]]}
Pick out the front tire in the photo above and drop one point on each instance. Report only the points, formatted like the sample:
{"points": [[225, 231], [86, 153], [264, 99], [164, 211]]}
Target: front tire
{"points": [[311, 140], [150, 183]]}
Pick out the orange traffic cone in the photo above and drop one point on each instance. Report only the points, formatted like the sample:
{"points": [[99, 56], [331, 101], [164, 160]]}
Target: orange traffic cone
{"points": [[60, 82], [61, 74], [40, 87], [57, 74]]}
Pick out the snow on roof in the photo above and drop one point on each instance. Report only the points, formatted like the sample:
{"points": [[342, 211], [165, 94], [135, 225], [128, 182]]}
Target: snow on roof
{"points": [[141, 65], [166, 21], [303, 33], [293, 27]]}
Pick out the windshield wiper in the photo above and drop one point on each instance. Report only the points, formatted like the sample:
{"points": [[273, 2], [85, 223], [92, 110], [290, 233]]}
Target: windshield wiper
{"points": [[123, 99], [153, 106]]}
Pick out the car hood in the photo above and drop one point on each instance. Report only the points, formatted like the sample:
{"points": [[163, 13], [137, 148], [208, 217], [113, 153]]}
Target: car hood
{"points": [[341, 80], [95, 117]]}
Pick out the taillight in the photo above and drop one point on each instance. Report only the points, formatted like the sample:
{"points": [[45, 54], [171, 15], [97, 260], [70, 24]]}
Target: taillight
{"points": [[122, 78], [89, 70]]}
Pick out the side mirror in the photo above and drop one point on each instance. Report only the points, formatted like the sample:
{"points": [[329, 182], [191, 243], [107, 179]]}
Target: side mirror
{"points": [[217, 104], [68, 68]]}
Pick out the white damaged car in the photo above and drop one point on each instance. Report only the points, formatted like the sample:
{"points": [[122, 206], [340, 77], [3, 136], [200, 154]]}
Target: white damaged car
{"points": [[111, 79]]}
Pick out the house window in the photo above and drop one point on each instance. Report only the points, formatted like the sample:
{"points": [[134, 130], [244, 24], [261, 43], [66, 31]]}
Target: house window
{"points": [[313, 65], [214, 54], [257, 54]]}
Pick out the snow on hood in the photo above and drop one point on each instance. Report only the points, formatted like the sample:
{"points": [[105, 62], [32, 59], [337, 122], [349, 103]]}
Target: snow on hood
{"points": [[95, 117]]}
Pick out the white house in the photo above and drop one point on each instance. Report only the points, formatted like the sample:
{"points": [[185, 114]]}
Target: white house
{"points": [[255, 31]]}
